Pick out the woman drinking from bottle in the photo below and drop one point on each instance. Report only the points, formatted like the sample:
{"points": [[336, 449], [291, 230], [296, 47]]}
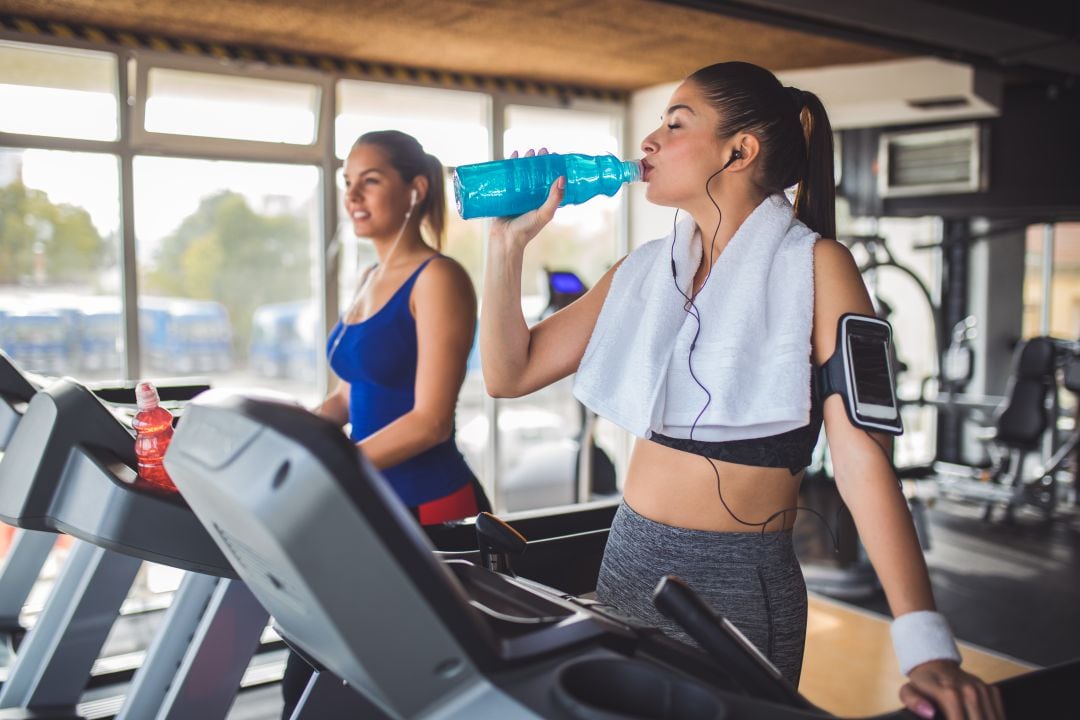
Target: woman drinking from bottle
{"points": [[705, 344]]}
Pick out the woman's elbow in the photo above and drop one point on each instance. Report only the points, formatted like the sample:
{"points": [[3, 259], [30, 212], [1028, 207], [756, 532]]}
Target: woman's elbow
{"points": [[439, 429], [859, 483], [499, 389], [850, 477]]}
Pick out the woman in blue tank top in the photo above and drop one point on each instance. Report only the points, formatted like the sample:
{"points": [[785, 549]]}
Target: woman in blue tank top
{"points": [[401, 346]]}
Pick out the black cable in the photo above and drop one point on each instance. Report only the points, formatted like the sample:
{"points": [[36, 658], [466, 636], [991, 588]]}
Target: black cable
{"points": [[690, 306], [834, 536]]}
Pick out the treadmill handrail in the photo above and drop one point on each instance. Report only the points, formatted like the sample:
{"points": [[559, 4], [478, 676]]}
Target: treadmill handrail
{"points": [[724, 642], [13, 382]]}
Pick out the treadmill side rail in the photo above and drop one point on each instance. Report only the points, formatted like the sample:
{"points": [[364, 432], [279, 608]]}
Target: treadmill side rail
{"points": [[56, 657]]}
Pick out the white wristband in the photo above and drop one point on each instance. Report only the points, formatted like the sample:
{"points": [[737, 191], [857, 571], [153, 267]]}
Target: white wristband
{"points": [[920, 637]]}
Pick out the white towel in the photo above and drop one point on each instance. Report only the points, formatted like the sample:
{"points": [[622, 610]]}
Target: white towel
{"points": [[753, 353]]}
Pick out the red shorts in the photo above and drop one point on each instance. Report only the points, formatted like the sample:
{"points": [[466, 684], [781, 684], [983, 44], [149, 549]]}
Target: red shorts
{"points": [[455, 506]]}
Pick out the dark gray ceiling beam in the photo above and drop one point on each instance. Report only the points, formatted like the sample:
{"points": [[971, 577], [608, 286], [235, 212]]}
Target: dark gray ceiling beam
{"points": [[1046, 35]]}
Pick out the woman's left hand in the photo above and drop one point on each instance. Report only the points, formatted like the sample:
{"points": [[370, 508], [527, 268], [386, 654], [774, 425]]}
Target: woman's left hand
{"points": [[956, 695], [520, 229]]}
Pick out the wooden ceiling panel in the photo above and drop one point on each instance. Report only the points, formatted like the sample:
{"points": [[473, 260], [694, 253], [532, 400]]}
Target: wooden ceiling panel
{"points": [[612, 44]]}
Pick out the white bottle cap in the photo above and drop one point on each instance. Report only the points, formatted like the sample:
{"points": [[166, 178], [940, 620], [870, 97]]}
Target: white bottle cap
{"points": [[146, 396]]}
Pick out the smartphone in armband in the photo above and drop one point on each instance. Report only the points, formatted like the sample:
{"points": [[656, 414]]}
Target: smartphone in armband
{"points": [[861, 370]]}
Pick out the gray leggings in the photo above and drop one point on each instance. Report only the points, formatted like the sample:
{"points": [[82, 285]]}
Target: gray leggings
{"points": [[752, 580]]}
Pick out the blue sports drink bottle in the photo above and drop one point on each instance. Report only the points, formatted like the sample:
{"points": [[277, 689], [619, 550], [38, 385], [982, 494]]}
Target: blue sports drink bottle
{"points": [[518, 185]]}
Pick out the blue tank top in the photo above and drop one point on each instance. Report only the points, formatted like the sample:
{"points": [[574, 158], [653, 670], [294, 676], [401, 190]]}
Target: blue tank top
{"points": [[377, 357]]}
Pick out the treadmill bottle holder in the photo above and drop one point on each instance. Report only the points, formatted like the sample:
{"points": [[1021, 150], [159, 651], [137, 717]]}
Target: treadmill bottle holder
{"points": [[70, 468]]}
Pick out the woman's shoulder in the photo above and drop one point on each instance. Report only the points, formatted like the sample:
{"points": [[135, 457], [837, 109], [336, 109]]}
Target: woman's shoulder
{"points": [[444, 276], [439, 263], [838, 289], [832, 259]]}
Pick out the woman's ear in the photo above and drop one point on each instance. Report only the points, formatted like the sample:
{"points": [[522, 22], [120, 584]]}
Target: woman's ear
{"points": [[420, 186], [747, 148]]}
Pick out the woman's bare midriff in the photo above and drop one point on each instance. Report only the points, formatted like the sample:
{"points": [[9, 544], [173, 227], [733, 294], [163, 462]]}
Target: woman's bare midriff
{"points": [[679, 488]]}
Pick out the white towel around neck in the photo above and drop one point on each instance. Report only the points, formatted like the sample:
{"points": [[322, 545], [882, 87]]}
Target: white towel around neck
{"points": [[753, 352]]}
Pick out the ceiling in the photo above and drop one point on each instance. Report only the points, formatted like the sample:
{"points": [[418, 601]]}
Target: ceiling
{"points": [[609, 44], [1005, 35]]}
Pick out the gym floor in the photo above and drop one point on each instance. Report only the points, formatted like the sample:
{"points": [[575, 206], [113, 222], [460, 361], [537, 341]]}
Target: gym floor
{"points": [[1013, 588]]}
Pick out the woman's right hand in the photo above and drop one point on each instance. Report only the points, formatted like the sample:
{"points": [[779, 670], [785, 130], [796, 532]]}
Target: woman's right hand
{"points": [[518, 230]]}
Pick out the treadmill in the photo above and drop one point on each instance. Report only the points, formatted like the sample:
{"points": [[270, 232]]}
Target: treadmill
{"points": [[69, 467], [353, 585]]}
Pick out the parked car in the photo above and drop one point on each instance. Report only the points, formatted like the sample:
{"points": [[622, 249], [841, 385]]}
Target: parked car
{"points": [[283, 340], [38, 339]]}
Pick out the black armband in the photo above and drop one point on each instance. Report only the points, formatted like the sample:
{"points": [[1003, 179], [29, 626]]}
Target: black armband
{"points": [[861, 371]]}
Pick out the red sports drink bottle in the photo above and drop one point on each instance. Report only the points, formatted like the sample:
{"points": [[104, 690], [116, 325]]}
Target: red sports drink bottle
{"points": [[153, 431]]}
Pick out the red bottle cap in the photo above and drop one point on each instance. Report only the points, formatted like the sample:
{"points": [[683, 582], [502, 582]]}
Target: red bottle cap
{"points": [[146, 396]]}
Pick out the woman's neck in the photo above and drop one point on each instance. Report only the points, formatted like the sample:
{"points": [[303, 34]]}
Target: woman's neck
{"points": [[734, 209], [390, 250]]}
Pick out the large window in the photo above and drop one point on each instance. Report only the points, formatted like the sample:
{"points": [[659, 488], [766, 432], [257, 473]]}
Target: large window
{"points": [[57, 92], [227, 277], [60, 278], [1064, 290], [216, 269], [59, 262], [539, 431], [60, 213], [207, 105]]}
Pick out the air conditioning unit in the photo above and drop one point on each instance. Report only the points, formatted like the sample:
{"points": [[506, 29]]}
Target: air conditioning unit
{"points": [[897, 93], [933, 161]]}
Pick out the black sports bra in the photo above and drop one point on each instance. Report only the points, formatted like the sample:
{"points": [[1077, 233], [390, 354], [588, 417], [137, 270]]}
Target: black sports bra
{"points": [[792, 449]]}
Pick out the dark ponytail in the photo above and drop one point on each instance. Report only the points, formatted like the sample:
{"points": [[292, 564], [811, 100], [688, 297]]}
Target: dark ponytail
{"points": [[407, 156], [815, 200], [792, 127], [435, 203]]}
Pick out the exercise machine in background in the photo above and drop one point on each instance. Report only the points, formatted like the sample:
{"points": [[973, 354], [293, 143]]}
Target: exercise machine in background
{"points": [[1021, 426]]}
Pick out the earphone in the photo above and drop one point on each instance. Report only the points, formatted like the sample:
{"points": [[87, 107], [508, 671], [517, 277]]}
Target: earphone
{"points": [[735, 155], [414, 197]]}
